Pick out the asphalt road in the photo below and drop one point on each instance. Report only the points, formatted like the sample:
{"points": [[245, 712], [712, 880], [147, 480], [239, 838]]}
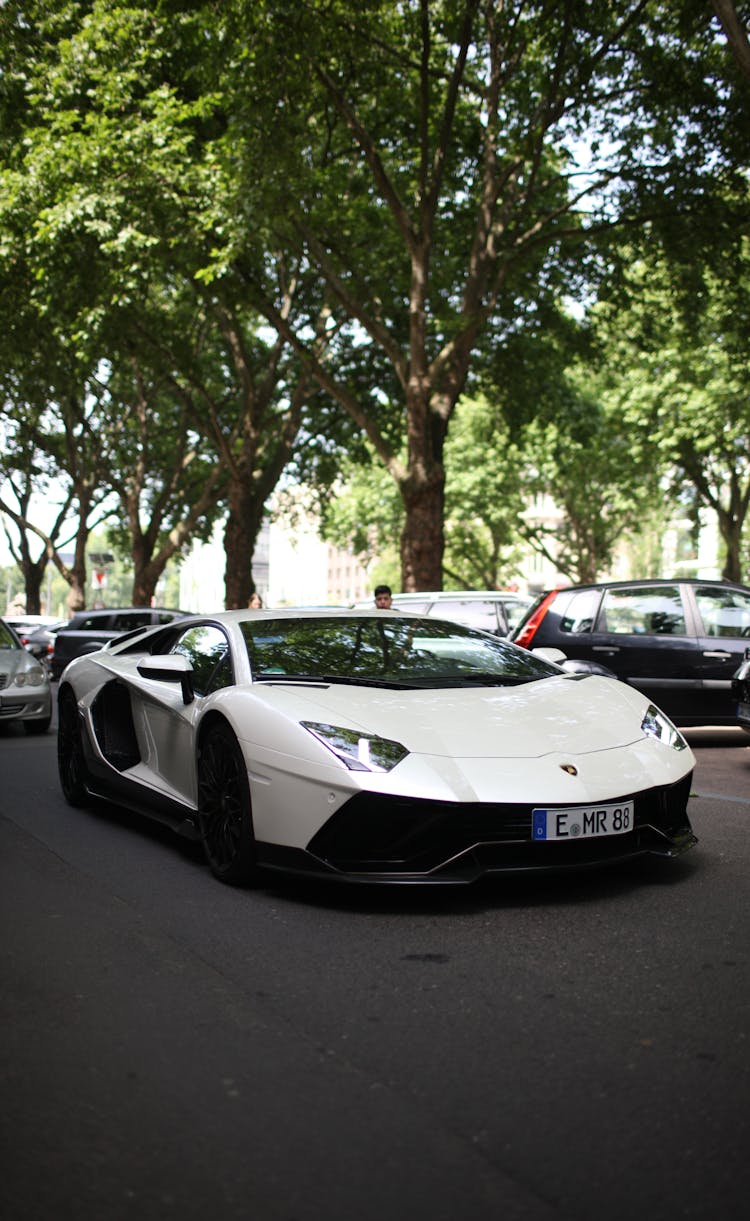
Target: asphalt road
{"points": [[526, 1050]]}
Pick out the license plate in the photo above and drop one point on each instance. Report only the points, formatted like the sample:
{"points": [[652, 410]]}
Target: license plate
{"points": [[582, 822]]}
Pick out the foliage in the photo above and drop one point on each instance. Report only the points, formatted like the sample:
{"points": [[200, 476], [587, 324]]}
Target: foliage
{"points": [[277, 232], [450, 133], [484, 499], [679, 376]]}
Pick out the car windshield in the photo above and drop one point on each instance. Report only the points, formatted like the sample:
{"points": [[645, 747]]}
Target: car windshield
{"points": [[381, 651]]}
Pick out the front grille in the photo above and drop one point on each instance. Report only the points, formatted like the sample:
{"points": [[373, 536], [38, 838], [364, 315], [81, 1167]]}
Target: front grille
{"points": [[4, 680], [377, 833]]}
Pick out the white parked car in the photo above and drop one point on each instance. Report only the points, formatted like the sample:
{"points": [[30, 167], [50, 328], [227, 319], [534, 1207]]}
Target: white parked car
{"points": [[372, 746], [25, 695], [490, 610]]}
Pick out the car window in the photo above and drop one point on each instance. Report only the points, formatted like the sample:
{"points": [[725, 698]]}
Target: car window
{"points": [[163, 617], [129, 621], [207, 649], [7, 639], [725, 612], [515, 611], [92, 623], [656, 611], [472, 612], [580, 611], [414, 607]]}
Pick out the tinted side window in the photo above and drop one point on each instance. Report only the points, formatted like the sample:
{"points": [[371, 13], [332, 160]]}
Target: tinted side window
{"points": [[650, 612], [207, 650], [128, 621], [580, 611], [92, 623], [724, 612]]}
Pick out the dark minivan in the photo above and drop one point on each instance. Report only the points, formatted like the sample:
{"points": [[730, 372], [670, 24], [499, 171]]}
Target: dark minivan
{"points": [[677, 641]]}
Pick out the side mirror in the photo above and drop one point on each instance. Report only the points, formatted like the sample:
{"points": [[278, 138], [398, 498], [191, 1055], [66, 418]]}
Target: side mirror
{"points": [[169, 668]]}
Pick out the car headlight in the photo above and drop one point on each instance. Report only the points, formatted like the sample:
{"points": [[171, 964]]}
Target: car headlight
{"points": [[33, 677], [657, 725], [360, 752]]}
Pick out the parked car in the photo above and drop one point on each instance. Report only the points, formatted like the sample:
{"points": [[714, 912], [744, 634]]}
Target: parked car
{"points": [[41, 641], [24, 685], [25, 625], [677, 641], [371, 746], [488, 610], [88, 630], [741, 691]]}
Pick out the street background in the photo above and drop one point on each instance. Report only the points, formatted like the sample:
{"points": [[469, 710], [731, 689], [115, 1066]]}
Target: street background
{"points": [[574, 1047]]}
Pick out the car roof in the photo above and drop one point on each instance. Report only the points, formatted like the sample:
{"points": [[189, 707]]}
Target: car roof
{"points": [[652, 582], [119, 610], [480, 594]]}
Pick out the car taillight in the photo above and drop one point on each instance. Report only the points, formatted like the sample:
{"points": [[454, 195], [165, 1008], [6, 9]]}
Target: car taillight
{"points": [[530, 628]]}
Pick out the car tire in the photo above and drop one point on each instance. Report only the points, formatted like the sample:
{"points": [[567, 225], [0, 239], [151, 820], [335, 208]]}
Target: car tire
{"points": [[70, 761], [224, 812]]}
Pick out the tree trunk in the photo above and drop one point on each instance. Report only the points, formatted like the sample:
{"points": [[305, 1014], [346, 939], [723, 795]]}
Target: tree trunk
{"points": [[144, 587], [76, 576], [240, 537], [422, 539], [731, 532], [33, 575]]}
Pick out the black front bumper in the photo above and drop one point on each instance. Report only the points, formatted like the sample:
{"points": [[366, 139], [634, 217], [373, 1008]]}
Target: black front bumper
{"points": [[377, 838]]}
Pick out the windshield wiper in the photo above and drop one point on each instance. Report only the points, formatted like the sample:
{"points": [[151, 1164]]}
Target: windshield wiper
{"points": [[486, 680], [326, 680]]}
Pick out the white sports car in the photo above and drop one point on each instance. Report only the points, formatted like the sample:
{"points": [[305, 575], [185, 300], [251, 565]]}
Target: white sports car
{"points": [[372, 746]]}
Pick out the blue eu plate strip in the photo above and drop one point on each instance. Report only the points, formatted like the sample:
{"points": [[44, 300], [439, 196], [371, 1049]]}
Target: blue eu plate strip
{"points": [[540, 824]]}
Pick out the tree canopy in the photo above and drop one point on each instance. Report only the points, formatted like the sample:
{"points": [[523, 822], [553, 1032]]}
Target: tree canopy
{"points": [[278, 232]]}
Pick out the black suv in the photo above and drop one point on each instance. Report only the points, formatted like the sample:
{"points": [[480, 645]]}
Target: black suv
{"points": [[678, 641], [88, 630]]}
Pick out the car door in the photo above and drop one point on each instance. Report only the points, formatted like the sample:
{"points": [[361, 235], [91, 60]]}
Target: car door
{"points": [[646, 635], [724, 634], [165, 724]]}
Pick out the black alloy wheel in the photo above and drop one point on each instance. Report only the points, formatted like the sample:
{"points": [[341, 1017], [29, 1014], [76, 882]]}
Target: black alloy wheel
{"points": [[70, 761], [224, 816]]}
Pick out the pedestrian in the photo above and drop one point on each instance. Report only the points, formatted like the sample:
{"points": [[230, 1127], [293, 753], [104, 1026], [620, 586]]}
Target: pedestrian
{"points": [[383, 597], [256, 602]]}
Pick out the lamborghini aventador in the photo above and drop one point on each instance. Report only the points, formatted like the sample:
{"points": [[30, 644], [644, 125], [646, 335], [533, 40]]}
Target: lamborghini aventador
{"points": [[371, 746]]}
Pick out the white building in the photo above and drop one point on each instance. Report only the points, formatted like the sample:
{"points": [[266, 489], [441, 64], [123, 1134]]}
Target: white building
{"points": [[292, 566]]}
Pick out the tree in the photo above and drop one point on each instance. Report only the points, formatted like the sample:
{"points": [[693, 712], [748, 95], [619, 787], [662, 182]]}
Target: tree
{"points": [[736, 34], [485, 498], [50, 452], [436, 164], [679, 374], [108, 204], [599, 473]]}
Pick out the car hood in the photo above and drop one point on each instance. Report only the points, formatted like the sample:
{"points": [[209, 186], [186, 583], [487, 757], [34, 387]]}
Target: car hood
{"points": [[554, 715]]}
